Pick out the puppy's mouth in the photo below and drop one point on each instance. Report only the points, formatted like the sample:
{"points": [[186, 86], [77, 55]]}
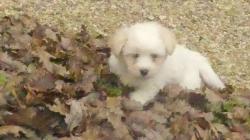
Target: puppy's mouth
{"points": [[145, 77]]}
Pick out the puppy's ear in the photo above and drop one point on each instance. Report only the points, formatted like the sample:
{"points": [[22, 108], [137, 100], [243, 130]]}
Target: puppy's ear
{"points": [[169, 39], [118, 40]]}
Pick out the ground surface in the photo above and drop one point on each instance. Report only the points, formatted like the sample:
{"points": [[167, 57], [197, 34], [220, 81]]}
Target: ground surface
{"points": [[220, 29]]}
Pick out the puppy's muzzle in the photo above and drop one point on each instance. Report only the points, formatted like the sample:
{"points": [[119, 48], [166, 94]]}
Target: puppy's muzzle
{"points": [[144, 72]]}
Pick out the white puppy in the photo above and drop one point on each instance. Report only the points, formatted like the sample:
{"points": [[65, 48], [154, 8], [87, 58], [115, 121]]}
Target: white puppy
{"points": [[145, 56]]}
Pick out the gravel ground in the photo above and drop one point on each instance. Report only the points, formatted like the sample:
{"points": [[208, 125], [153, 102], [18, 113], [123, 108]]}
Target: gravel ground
{"points": [[220, 29]]}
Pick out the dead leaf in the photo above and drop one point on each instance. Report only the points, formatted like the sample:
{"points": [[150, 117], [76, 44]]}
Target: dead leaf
{"points": [[141, 118], [66, 44], [114, 105], [16, 131], [12, 64], [51, 67], [51, 34], [120, 129], [58, 107], [240, 113], [42, 81], [37, 118], [83, 36], [221, 128], [197, 100], [180, 125], [75, 115], [213, 97], [2, 99], [236, 136], [203, 123], [131, 105], [172, 90]]}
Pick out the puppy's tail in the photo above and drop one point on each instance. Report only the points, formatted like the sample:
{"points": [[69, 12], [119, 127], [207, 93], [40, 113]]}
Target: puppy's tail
{"points": [[209, 77]]}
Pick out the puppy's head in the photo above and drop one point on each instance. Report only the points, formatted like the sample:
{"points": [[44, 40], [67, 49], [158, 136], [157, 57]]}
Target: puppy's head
{"points": [[143, 47]]}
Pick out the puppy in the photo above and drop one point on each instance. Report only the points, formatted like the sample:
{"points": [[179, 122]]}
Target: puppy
{"points": [[146, 56]]}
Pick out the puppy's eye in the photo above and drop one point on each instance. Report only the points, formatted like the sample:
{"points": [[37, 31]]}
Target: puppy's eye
{"points": [[154, 56], [136, 55]]}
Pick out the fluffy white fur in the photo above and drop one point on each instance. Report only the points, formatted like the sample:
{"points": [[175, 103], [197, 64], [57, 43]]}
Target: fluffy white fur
{"points": [[152, 48]]}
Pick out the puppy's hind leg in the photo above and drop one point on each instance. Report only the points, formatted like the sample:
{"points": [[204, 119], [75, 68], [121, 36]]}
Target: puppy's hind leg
{"points": [[191, 80], [210, 78]]}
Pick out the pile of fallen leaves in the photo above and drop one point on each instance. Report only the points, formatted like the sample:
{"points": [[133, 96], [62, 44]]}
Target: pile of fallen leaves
{"points": [[56, 85]]}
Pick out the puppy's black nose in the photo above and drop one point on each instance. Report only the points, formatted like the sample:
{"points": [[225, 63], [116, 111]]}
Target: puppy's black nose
{"points": [[144, 72]]}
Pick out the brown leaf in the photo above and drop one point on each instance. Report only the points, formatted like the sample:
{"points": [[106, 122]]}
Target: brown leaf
{"points": [[14, 83], [42, 81], [201, 134], [75, 137], [197, 100], [213, 96], [39, 32], [180, 125], [66, 44], [86, 84], [98, 42], [28, 22], [58, 107], [203, 123], [45, 57], [24, 40], [172, 90], [92, 133], [236, 136], [2, 98], [50, 34], [76, 68], [114, 105], [221, 128], [240, 113], [83, 36], [131, 105], [79, 88], [4, 23], [120, 129], [75, 115], [181, 107], [17, 29], [141, 118], [39, 119], [12, 64], [16, 131]]}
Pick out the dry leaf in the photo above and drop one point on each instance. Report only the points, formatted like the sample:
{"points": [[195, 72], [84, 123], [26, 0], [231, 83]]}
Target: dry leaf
{"points": [[12, 64], [16, 131], [75, 115]]}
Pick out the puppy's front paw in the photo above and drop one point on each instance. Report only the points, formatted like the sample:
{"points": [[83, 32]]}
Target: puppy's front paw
{"points": [[140, 97]]}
